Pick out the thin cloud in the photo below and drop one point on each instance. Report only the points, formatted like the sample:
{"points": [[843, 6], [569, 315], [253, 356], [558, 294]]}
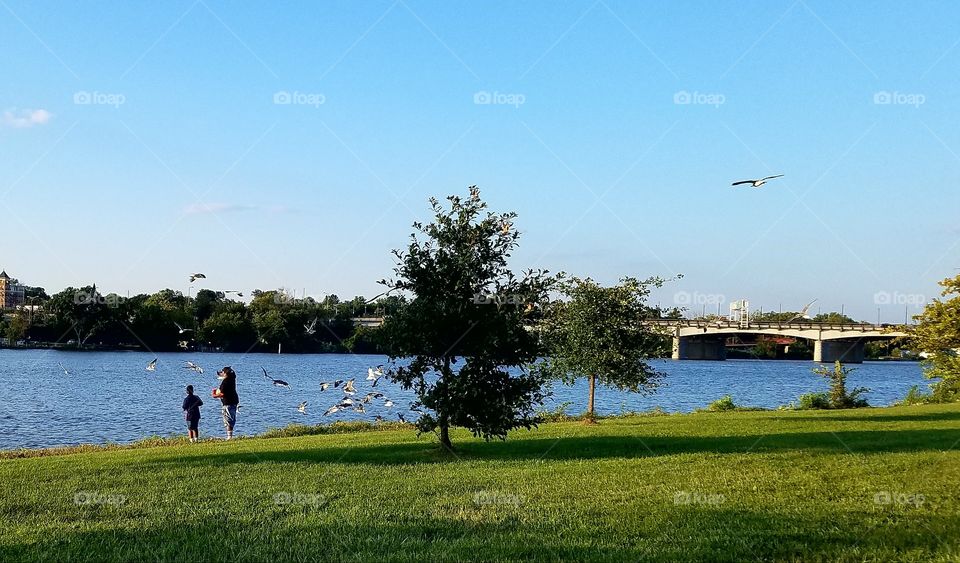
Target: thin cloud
{"points": [[205, 208], [21, 119]]}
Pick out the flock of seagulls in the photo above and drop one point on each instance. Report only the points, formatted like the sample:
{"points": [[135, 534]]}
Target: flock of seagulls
{"points": [[349, 402]]}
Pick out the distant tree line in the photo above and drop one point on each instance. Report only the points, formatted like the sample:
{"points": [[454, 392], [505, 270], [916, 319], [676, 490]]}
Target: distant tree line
{"points": [[167, 320]]}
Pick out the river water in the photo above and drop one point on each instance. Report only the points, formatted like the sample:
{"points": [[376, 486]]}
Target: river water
{"points": [[110, 397]]}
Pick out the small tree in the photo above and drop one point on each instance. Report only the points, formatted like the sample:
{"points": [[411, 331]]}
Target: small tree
{"points": [[839, 397], [598, 332], [466, 306], [937, 334], [17, 328]]}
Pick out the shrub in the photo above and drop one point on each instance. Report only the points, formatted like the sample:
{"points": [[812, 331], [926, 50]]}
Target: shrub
{"points": [[558, 414], [809, 401], [724, 403], [915, 397], [840, 398]]}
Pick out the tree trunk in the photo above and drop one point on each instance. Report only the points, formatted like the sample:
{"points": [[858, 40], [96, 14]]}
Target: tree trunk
{"points": [[442, 416], [593, 388], [445, 437]]}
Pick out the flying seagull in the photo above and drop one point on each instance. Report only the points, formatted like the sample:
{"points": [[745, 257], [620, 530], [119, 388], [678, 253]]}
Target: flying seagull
{"points": [[331, 410], [152, 366], [277, 382], [388, 403], [371, 396], [312, 327], [348, 388], [378, 418], [803, 312], [756, 183], [195, 277], [337, 383], [65, 372], [359, 408], [181, 329], [194, 367], [401, 417], [302, 407], [374, 375], [345, 402], [239, 294], [325, 385]]}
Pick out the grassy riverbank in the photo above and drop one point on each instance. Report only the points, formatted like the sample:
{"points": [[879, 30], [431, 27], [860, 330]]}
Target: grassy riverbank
{"points": [[870, 484]]}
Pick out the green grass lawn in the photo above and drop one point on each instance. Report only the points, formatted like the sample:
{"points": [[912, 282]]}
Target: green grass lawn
{"points": [[865, 485]]}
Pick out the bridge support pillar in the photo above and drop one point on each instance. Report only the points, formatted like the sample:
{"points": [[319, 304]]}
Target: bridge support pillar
{"points": [[699, 348], [848, 351]]}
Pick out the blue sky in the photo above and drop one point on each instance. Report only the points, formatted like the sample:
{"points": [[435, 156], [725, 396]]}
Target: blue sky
{"points": [[142, 142]]}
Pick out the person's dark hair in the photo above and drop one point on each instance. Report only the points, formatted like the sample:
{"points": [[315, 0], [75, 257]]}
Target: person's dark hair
{"points": [[189, 389], [228, 371]]}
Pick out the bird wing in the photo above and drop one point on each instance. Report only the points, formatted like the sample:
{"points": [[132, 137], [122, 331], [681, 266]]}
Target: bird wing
{"points": [[772, 177], [807, 307], [742, 182], [265, 373]]}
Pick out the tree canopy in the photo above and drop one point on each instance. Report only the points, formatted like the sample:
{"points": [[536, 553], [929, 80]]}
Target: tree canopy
{"points": [[937, 334], [597, 332], [462, 342]]}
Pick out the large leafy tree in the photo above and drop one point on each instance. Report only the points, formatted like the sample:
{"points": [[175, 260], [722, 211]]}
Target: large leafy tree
{"points": [[462, 341], [598, 333], [937, 334], [230, 328], [80, 312]]}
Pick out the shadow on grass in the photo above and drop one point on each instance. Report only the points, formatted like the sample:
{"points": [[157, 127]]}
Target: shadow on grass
{"points": [[664, 532], [872, 416], [588, 447]]}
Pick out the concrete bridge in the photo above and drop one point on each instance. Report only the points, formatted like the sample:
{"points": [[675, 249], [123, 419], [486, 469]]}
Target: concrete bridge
{"points": [[706, 340]]}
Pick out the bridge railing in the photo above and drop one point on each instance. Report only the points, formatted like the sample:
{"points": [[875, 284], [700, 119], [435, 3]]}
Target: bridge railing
{"points": [[699, 323]]}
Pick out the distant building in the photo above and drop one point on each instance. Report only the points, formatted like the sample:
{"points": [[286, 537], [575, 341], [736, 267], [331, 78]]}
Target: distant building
{"points": [[11, 294]]}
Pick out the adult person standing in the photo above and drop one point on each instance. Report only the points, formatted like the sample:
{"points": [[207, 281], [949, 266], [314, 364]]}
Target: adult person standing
{"points": [[227, 393]]}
